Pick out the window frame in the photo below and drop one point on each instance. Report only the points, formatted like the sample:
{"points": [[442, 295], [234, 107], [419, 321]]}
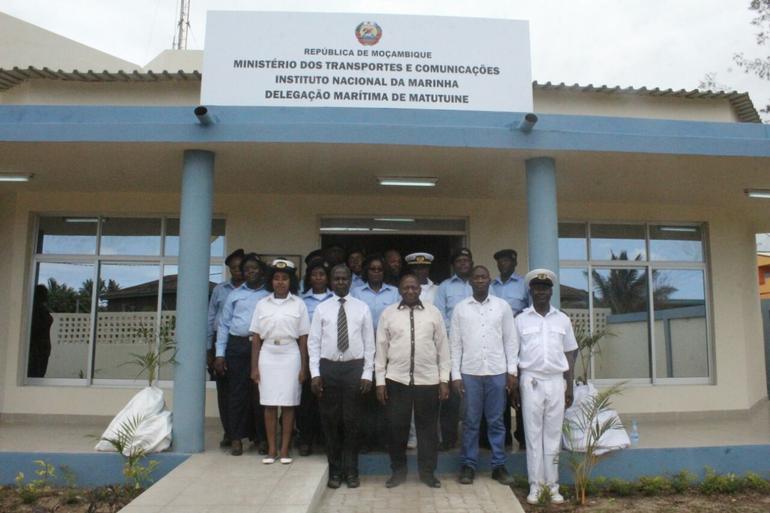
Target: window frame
{"points": [[97, 259], [649, 266]]}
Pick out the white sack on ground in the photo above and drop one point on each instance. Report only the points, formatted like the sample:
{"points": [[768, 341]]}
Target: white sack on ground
{"points": [[612, 440], [153, 432]]}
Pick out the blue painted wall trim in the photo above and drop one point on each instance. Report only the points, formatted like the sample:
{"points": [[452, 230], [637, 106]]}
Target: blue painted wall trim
{"points": [[106, 468], [628, 464], [90, 469], [34, 123]]}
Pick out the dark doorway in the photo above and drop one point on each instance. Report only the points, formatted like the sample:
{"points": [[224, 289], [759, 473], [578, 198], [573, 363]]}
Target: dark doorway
{"points": [[440, 246]]}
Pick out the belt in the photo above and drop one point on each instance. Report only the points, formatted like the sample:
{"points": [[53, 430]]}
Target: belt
{"points": [[280, 341]]}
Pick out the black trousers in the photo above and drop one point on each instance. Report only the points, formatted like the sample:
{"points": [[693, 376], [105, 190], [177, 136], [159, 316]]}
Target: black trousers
{"points": [[373, 429], [221, 382], [245, 416], [340, 407], [424, 400], [308, 417], [450, 418]]}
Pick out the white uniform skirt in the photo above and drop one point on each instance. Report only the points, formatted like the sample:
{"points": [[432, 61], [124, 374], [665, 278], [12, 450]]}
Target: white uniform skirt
{"points": [[279, 368]]}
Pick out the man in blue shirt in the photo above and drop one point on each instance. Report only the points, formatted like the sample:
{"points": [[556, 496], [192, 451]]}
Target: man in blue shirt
{"points": [[233, 354], [511, 287], [216, 304], [449, 293], [356, 265]]}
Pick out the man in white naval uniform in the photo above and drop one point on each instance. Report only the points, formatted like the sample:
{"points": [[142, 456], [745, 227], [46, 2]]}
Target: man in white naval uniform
{"points": [[419, 264], [547, 350]]}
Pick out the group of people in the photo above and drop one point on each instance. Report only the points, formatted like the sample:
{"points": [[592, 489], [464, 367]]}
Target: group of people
{"points": [[369, 351]]}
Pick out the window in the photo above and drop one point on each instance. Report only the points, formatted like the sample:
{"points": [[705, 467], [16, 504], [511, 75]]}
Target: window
{"points": [[644, 285], [87, 333]]}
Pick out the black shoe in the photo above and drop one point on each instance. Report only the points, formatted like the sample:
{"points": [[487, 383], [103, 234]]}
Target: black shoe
{"points": [[501, 475], [305, 450], [262, 448], [226, 442], [334, 481], [236, 448], [466, 475], [353, 482], [396, 479], [431, 481]]}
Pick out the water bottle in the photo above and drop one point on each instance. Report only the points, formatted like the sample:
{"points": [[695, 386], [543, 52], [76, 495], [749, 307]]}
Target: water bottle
{"points": [[634, 436]]}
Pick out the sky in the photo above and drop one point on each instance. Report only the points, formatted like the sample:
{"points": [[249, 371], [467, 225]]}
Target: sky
{"points": [[652, 43]]}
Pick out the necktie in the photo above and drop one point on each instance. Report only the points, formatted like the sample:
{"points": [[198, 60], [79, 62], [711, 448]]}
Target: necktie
{"points": [[342, 328]]}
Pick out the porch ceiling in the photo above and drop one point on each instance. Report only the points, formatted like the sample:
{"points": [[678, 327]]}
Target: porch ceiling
{"points": [[353, 169]]}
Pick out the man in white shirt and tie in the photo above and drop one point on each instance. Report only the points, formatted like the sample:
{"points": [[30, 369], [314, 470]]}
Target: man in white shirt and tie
{"points": [[484, 353], [341, 353], [547, 361]]}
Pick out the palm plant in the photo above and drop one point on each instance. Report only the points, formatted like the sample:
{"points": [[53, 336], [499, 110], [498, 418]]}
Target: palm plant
{"points": [[161, 349], [136, 474], [587, 427], [588, 345]]}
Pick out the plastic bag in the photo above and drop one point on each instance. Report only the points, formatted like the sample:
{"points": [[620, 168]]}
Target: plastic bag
{"points": [[144, 416], [611, 440]]}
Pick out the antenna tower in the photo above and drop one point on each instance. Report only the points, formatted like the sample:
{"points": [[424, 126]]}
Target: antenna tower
{"points": [[180, 41]]}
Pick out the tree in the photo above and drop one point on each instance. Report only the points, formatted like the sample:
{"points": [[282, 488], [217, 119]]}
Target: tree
{"points": [[61, 297], [625, 290], [759, 66], [86, 289]]}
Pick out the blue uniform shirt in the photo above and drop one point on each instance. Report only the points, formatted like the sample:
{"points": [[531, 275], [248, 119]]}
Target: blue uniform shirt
{"points": [[377, 301], [236, 315], [356, 281], [449, 293], [513, 291], [216, 303], [311, 302]]}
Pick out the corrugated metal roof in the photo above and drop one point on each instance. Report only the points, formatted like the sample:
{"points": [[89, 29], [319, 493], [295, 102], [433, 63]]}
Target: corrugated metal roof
{"points": [[740, 102], [15, 76]]}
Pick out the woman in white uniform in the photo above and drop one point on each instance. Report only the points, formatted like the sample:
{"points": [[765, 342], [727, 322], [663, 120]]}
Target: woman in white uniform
{"points": [[279, 354]]}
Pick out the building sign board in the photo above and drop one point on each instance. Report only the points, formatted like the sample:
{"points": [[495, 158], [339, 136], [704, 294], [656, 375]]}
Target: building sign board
{"points": [[287, 59]]}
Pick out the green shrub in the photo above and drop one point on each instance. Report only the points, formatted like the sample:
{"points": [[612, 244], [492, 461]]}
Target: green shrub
{"points": [[30, 492], [654, 485], [596, 486], [682, 481], [71, 495], [544, 496], [714, 483], [620, 487], [755, 482]]}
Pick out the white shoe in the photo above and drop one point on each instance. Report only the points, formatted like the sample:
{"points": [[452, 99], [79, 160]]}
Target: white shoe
{"points": [[556, 497], [268, 460], [534, 493], [286, 461]]}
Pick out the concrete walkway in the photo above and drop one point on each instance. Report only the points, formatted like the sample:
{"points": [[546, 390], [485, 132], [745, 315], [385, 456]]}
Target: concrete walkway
{"points": [[215, 482], [483, 496]]}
